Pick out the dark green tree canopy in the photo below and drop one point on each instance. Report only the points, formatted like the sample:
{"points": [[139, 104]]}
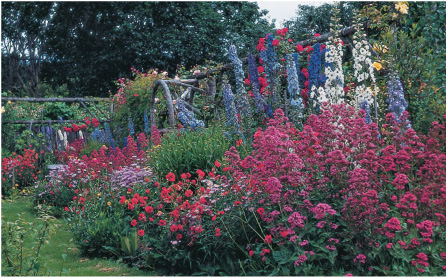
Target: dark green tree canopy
{"points": [[87, 45]]}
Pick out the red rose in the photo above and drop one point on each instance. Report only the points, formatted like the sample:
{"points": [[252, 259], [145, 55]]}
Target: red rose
{"points": [[317, 35], [260, 47], [285, 30], [133, 222], [183, 176], [279, 32], [275, 42], [268, 239], [299, 48], [83, 127], [162, 222], [290, 40], [217, 163], [141, 233], [309, 50], [217, 232], [247, 82], [260, 69], [261, 41]]}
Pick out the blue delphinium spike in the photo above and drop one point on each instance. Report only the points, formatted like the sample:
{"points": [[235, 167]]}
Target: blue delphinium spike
{"points": [[296, 101], [230, 108], [131, 127], [242, 104], [187, 117], [109, 135], [125, 141], [146, 122], [254, 81], [364, 105], [396, 97]]}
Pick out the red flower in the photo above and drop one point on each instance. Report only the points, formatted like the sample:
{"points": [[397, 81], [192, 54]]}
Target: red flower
{"points": [[135, 95], [170, 177], [179, 237], [260, 47], [133, 222], [261, 41], [141, 233], [148, 209], [200, 173], [87, 122], [317, 35], [183, 176], [174, 228], [188, 193], [237, 203], [217, 232], [247, 82], [268, 239], [83, 127], [251, 253], [261, 211], [275, 42], [260, 69], [299, 48], [162, 222], [217, 163]]}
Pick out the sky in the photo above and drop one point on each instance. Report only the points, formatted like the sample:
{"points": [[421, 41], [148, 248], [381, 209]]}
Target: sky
{"points": [[283, 10]]}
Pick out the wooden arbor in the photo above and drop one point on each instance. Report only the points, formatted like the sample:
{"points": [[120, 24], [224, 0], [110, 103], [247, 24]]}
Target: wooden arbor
{"points": [[193, 83]]}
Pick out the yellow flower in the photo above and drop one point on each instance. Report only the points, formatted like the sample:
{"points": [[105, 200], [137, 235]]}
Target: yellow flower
{"points": [[109, 203], [3, 109], [9, 102], [99, 194], [13, 187], [377, 65], [380, 48], [401, 7]]}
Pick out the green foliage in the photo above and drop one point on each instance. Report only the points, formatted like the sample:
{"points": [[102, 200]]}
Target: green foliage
{"points": [[97, 225], [59, 109], [189, 151], [315, 19], [16, 261], [115, 36], [413, 44], [90, 146]]}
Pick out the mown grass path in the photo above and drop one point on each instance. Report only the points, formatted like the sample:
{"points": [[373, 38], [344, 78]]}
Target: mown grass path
{"points": [[61, 243]]}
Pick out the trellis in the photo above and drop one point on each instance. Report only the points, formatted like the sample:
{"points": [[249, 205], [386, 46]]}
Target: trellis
{"points": [[189, 83]]}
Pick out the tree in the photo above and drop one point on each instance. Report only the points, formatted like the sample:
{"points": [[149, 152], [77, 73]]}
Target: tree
{"points": [[90, 44], [24, 27]]}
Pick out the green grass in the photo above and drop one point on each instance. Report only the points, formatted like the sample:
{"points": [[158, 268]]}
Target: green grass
{"points": [[61, 243]]}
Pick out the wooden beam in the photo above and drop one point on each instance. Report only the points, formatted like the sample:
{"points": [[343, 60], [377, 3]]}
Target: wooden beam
{"points": [[55, 99], [49, 121]]}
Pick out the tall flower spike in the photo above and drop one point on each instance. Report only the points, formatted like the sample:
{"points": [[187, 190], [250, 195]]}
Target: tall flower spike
{"points": [[187, 117], [131, 126], [272, 65], [296, 102], [364, 105], [146, 122], [315, 76], [396, 97], [230, 108], [242, 104], [254, 81], [109, 135], [334, 72]]}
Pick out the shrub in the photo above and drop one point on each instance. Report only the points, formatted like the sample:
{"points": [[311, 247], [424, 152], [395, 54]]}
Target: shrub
{"points": [[19, 171], [185, 152], [336, 198]]}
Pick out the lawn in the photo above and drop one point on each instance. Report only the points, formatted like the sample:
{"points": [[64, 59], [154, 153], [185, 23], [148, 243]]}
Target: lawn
{"points": [[60, 243]]}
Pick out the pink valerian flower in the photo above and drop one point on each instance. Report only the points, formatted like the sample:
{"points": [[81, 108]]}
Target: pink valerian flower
{"points": [[393, 224], [321, 224], [301, 259], [360, 258], [426, 228], [296, 220], [321, 209]]}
